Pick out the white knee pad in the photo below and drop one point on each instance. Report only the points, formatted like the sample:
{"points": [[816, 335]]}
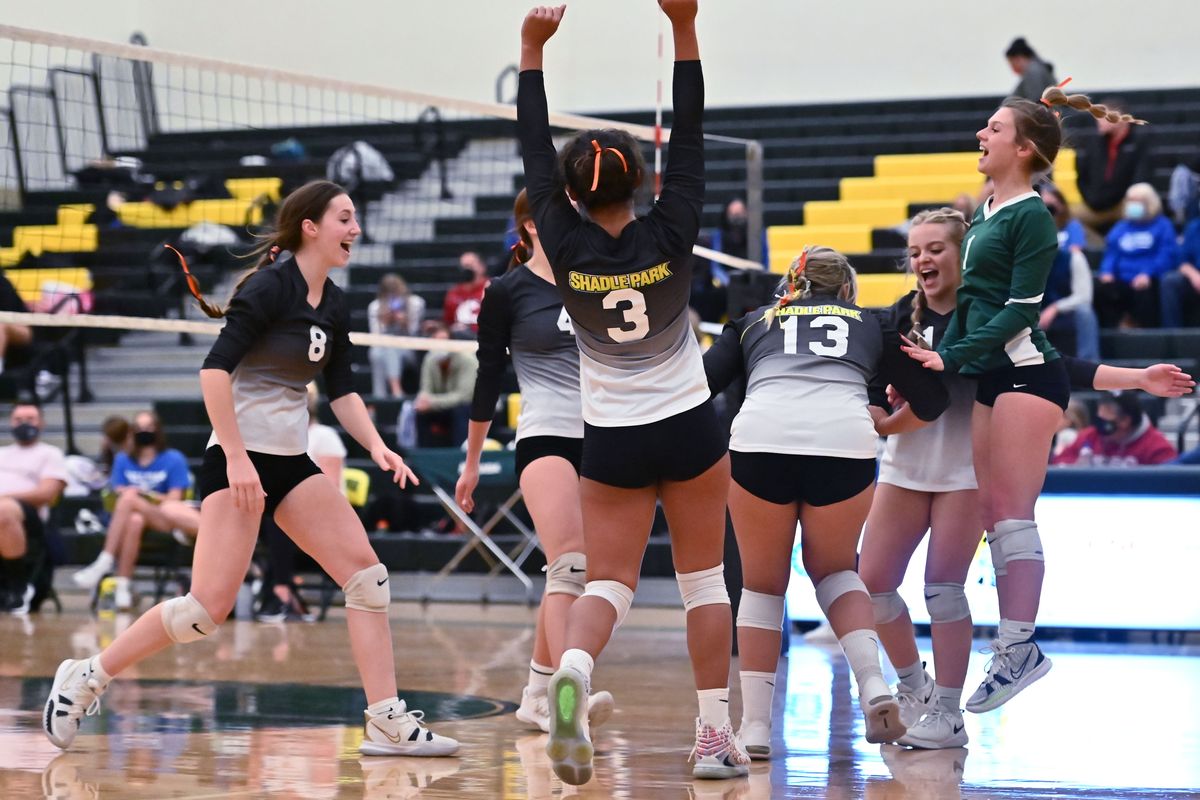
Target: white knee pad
{"points": [[368, 590], [758, 610], [567, 574], [888, 606], [946, 602], [703, 588], [618, 595], [834, 586], [186, 620], [1014, 540]]}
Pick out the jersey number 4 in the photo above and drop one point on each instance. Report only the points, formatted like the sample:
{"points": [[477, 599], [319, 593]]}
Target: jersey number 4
{"points": [[837, 336]]}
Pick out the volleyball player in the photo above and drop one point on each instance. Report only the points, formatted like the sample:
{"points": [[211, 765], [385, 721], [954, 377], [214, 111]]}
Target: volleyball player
{"points": [[650, 430], [286, 323], [803, 449], [522, 314], [1022, 383]]}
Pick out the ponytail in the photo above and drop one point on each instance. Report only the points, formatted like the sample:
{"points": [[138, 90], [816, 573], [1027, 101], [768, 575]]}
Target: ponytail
{"points": [[1055, 96], [267, 253]]}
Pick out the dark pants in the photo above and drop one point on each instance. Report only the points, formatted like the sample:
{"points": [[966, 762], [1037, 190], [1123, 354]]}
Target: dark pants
{"points": [[1114, 300], [445, 428], [1176, 295]]}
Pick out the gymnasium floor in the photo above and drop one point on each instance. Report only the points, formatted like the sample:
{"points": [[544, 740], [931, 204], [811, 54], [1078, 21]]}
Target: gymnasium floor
{"points": [[273, 711]]}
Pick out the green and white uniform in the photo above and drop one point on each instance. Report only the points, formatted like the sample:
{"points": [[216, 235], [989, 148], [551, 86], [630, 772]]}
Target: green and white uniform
{"points": [[1006, 260]]}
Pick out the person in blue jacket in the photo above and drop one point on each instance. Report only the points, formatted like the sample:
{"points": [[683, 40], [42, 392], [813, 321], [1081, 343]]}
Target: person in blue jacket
{"points": [[1140, 250]]}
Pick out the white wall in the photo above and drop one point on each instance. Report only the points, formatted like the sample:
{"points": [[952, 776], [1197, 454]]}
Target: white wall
{"points": [[755, 51]]}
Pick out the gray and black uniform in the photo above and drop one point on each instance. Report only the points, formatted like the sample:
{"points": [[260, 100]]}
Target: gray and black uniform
{"points": [[645, 400], [523, 315], [274, 344], [804, 434]]}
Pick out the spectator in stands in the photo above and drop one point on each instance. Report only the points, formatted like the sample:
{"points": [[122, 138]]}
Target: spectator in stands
{"points": [[1075, 420], [114, 438], [1180, 288], [1120, 435], [443, 404], [1140, 250], [32, 477], [460, 309], [396, 311], [1035, 73], [149, 483], [1067, 300], [12, 336], [1106, 166]]}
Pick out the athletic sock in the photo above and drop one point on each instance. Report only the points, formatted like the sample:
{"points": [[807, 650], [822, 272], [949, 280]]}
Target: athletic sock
{"points": [[1014, 632], [947, 698], [383, 706], [539, 677], [913, 676], [862, 653], [714, 706], [758, 694]]}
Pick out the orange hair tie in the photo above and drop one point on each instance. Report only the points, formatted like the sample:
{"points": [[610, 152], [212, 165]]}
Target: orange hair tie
{"points": [[600, 151], [192, 284], [274, 251]]}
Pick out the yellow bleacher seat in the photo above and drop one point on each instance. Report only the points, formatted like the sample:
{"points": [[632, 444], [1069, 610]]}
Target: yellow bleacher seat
{"points": [[878, 290], [38, 239], [232, 211], [249, 188], [786, 241], [513, 409], [356, 485], [74, 213], [876, 213], [29, 283]]}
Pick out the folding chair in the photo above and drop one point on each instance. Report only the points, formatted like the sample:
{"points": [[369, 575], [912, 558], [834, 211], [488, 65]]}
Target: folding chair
{"points": [[440, 468]]}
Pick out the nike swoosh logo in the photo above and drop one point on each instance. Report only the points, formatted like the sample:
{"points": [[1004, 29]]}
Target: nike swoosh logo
{"points": [[393, 739], [931, 596], [382, 582], [196, 628], [572, 569], [958, 728], [1017, 673], [1020, 385]]}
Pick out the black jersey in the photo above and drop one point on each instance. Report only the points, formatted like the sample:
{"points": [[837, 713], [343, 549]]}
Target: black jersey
{"points": [[628, 296], [274, 343], [807, 376], [523, 314]]}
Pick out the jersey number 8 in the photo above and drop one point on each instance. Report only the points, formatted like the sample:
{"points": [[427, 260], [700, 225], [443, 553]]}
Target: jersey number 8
{"points": [[316, 343], [837, 335]]}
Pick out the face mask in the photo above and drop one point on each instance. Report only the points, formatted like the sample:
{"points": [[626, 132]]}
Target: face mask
{"points": [[26, 432], [1105, 427], [144, 438], [1135, 210]]}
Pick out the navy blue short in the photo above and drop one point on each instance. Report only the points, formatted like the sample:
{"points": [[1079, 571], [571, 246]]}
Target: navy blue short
{"points": [[677, 448], [1048, 381]]}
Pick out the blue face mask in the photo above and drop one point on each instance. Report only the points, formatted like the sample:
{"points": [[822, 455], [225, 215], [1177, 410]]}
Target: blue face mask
{"points": [[1135, 210]]}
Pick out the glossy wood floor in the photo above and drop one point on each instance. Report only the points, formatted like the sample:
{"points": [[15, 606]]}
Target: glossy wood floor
{"points": [[273, 711]]}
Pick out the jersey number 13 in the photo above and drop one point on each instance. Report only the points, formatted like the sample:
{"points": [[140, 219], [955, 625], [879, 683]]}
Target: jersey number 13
{"points": [[835, 341]]}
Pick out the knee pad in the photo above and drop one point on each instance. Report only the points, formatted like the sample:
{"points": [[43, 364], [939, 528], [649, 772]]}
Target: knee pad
{"points": [[567, 574], [1014, 540], [946, 602], [703, 588], [368, 590], [186, 620], [758, 610], [618, 595], [888, 606], [834, 586]]}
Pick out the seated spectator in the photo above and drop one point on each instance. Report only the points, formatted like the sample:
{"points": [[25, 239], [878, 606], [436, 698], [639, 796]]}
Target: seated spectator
{"points": [[1180, 288], [149, 483], [1140, 250], [12, 336], [1035, 73], [1120, 435], [1067, 300], [32, 477], [460, 309], [1106, 166], [114, 438], [1074, 421], [443, 404], [398, 312]]}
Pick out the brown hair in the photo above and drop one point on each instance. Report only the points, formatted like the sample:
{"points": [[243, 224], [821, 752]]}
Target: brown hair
{"points": [[602, 167], [956, 224], [522, 251], [116, 433], [391, 285], [1039, 127], [1055, 96], [160, 436], [307, 202], [817, 270]]}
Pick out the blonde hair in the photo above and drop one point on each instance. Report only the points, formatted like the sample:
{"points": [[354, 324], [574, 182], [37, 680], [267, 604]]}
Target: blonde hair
{"points": [[817, 270], [956, 225], [1148, 195], [1055, 96]]}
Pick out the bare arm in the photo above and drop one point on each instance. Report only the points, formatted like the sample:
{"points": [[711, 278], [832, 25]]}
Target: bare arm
{"points": [[1162, 380], [217, 387], [465, 489], [540, 24], [682, 14], [351, 412], [45, 493]]}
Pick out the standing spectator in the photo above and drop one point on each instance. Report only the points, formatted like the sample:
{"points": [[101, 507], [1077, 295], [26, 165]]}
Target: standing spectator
{"points": [[443, 404], [1106, 166], [1068, 297], [1140, 249], [32, 477], [1035, 73], [1120, 435], [396, 311], [460, 309], [11, 335], [1180, 288]]}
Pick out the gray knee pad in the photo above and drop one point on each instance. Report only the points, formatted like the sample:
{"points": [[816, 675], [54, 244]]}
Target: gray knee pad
{"points": [[567, 574], [705, 587], [1014, 540], [368, 590], [834, 586], [946, 602], [617, 594], [758, 610], [888, 606], [186, 620]]}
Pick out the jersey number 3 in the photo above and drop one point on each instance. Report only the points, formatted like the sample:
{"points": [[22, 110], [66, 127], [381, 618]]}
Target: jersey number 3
{"points": [[316, 343], [837, 336], [634, 314]]}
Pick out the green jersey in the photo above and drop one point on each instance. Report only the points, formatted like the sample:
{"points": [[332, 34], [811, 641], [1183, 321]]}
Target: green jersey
{"points": [[1006, 259]]}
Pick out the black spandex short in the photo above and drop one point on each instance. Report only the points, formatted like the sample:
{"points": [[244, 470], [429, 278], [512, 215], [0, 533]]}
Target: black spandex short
{"points": [[677, 448], [531, 448], [814, 480], [278, 474], [1048, 381]]}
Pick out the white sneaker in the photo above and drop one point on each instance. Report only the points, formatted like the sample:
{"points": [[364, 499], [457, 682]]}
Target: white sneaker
{"points": [[755, 736], [90, 576], [926, 773], [718, 754], [403, 778], [914, 703], [1011, 670], [937, 730], [76, 691], [535, 709], [400, 732], [882, 717], [570, 745]]}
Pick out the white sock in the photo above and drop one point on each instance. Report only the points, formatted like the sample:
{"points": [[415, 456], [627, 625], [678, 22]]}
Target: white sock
{"points": [[1014, 632], [862, 653], [97, 669], [105, 561], [385, 705], [913, 676], [539, 677], [714, 706], [578, 660], [947, 699], [758, 694]]}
